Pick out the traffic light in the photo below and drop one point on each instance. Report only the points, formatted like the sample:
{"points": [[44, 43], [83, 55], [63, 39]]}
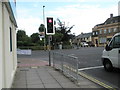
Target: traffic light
{"points": [[50, 26]]}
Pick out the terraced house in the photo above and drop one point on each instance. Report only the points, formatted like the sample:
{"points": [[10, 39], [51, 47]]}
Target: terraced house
{"points": [[102, 33], [8, 57]]}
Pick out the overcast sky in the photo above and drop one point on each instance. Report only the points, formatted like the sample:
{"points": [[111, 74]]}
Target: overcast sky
{"points": [[84, 14]]}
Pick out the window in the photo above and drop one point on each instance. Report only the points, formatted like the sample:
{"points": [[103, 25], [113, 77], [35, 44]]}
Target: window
{"points": [[100, 31], [115, 43], [103, 40], [96, 33], [115, 29], [93, 33], [109, 30], [111, 44], [115, 21], [10, 39], [105, 31]]}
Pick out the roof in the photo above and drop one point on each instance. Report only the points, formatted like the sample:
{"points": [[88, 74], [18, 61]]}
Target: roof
{"points": [[111, 20], [84, 35], [12, 15]]}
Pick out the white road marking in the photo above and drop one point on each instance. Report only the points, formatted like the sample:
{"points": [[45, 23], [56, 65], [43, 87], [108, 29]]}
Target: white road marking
{"points": [[72, 54], [90, 68]]}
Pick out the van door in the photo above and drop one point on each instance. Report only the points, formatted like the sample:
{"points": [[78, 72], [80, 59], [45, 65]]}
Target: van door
{"points": [[114, 53], [119, 58]]}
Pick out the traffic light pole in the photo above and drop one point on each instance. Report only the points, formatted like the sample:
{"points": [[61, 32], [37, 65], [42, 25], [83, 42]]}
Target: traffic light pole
{"points": [[44, 29], [50, 31], [49, 50]]}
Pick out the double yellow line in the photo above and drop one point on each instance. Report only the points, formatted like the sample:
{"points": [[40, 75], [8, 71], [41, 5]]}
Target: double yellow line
{"points": [[92, 79]]}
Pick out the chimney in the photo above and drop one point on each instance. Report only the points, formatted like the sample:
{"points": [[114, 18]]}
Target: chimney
{"points": [[111, 15]]}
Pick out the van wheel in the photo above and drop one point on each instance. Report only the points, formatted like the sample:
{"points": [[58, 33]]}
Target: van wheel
{"points": [[108, 66]]}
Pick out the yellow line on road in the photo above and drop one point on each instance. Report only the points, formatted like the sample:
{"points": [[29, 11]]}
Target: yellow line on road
{"points": [[96, 81], [91, 78]]}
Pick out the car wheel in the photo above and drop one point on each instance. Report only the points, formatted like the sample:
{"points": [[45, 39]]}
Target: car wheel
{"points": [[108, 66]]}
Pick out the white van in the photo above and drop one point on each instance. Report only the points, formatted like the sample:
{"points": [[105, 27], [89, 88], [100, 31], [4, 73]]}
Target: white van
{"points": [[111, 53]]}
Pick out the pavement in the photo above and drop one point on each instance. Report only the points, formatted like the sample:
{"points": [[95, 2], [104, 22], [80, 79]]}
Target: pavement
{"points": [[40, 75]]}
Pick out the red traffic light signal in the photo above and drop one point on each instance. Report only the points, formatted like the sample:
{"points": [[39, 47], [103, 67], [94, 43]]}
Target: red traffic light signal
{"points": [[50, 21], [50, 26]]}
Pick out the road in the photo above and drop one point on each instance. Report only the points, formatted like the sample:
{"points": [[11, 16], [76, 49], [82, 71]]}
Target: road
{"points": [[88, 56], [89, 63]]}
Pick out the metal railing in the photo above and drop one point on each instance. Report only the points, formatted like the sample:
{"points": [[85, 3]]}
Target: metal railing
{"points": [[68, 64]]}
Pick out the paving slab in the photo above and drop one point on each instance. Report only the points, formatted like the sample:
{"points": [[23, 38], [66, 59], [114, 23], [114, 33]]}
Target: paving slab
{"points": [[34, 82], [52, 85], [69, 85], [46, 77], [35, 86]]}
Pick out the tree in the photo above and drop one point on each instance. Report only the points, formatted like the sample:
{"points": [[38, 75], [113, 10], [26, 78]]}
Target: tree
{"points": [[41, 28], [35, 38], [21, 35], [65, 30], [57, 37], [22, 38], [41, 31]]}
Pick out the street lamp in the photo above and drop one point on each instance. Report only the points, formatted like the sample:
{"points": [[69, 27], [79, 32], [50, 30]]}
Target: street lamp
{"points": [[44, 28]]}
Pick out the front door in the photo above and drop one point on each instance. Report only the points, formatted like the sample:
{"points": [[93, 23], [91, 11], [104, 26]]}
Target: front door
{"points": [[96, 42]]}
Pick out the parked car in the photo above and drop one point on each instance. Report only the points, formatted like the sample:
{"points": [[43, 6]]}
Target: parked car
{"points": [[111, 53], [84, 44]]}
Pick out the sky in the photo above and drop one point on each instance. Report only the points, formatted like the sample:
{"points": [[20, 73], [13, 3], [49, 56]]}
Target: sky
{"points": [[84, 14]]}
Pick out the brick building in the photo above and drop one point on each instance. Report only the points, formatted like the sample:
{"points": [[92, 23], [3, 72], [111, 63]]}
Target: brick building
{"points": [[102, 33]]}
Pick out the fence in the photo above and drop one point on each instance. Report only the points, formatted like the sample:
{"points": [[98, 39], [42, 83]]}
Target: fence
{"points": [[68, 64]]}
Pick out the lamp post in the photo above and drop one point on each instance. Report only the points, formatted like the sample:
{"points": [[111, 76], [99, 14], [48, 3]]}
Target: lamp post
{"points": [[44, 28]]}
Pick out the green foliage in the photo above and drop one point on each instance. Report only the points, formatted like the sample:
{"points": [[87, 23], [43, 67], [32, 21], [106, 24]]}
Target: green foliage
{"points": [[66, 43], [64, 31], [24, 42], [22, 38], [57, 37], [41, 43], [32, 47], [67, 46], [35, 38], [21, 35], [33, 42], [41, 28]]}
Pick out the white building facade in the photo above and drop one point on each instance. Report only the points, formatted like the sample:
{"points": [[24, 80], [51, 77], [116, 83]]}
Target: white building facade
{"points": [[8, 56]]}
